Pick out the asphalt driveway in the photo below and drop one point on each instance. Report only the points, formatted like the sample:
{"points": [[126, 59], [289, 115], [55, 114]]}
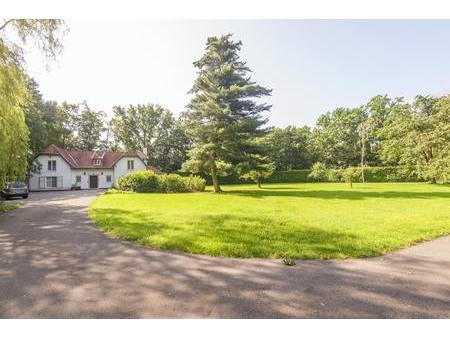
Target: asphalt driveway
{"points": [[54, 263]]}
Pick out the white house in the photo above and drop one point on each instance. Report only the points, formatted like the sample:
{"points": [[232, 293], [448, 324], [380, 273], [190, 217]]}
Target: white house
{"points": [[61, 169]]}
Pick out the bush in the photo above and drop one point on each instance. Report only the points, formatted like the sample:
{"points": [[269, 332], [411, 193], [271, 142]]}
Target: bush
{"points": [[195, 183], [146, 181], [318, 172], [139, 181], [172, 183], [335, 175], [351, 174]]}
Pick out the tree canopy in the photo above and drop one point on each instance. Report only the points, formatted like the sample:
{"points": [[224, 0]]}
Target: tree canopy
{"points": [[153, 129], [289, 148], [17, 94], [417, 136]]}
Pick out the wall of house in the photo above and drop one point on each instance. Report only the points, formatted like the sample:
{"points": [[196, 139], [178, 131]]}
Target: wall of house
{"points": [[85, 173], [121, 167], [63, 171], [68, 175]]}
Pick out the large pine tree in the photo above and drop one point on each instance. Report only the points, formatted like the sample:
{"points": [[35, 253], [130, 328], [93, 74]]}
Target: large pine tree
{"points": [[223, 118]]}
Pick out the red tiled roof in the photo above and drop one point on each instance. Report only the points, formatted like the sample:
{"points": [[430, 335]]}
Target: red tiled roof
{"points": [[84, 159]]}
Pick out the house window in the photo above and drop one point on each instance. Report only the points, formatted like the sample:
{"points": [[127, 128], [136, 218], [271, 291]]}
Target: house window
{"points": [[78, 179], [42, 182], [51, 165], [130, 164], [108, 178], [52, 182], [97, 162]]}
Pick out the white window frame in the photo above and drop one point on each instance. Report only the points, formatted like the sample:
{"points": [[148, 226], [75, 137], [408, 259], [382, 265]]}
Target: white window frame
{"points": [[97, 162], [42, 182], [108, 178], [51, 165], [130, 164], [53, 180]]}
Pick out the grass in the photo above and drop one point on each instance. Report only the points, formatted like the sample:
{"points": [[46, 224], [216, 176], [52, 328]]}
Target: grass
{"points": [[316, 220], [6, 207]]}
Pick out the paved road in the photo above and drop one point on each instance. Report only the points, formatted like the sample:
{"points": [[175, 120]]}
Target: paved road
{"points": [[54, 263]]}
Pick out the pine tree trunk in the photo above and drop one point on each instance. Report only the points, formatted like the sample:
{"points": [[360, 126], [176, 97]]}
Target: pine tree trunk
{"points": [[215, 180], [259, 183]]}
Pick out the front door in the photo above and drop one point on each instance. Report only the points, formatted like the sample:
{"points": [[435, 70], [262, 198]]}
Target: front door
{"points": [[93, 182]]}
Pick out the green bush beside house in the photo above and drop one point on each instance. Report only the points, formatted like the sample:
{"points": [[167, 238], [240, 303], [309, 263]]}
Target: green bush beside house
{"points": [[149, 182]]}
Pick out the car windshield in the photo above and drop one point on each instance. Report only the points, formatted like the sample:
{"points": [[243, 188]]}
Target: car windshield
{"points": [[19, 185]]}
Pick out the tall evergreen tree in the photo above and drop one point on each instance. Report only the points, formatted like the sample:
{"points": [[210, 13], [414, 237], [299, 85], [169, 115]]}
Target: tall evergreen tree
{"points": [[223, 118]]}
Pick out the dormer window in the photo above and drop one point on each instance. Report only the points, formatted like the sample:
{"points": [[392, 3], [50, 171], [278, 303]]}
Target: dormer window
{"points": [[130, 164], [97, 162], [51, 165]]}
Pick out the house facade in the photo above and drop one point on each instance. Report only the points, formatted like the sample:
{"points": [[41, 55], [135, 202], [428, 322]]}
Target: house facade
{"points": [[61, 169]]}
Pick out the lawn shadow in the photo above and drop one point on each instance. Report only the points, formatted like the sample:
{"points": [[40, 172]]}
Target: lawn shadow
{"points": [[230, 235], [338, 194]]}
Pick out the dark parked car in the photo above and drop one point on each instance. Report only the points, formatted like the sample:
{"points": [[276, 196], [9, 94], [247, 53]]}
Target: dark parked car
{"points": [[15, 189]]}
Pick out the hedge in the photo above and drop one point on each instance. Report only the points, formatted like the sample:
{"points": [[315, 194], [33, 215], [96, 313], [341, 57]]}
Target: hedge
{"points": [[147, 181], [371, 174], [290, 176]]}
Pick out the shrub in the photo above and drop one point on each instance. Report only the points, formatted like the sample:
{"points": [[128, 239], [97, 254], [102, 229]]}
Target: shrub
{"points": [[171, 183], [146, 181], [335, 175], [351, 174], [140, 181], [318, 172], [195, 183]]}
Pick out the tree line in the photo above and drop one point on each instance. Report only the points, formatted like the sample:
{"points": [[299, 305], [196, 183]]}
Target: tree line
{"points": [[415, 136], [382, 132], [149, 127], [224, 129]]}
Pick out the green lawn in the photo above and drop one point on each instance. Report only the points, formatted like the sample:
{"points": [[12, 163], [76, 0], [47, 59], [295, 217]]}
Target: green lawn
{"points": [[6, 207], [327, 220]]}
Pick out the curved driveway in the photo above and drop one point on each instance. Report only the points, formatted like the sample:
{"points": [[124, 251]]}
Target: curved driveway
{"points": [[54, 263]]}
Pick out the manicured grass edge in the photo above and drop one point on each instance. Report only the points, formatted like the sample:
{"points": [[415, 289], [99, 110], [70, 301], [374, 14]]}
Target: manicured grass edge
{"points": [[379, 253], [139, 243]]}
